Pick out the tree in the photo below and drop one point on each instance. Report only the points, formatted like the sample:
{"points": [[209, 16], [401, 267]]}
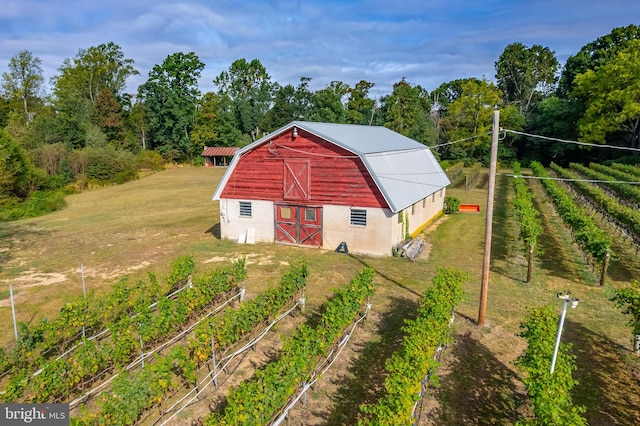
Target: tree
{"points": [[170, 97], [137, 122], [526, 75], [611, 94], [328, 106], [249, 87], [204, 131], [24, 80], [471, 114], [15, 170], [554, 117], [595, 54], [107, 114], [360, 108], [406, 111], [77, 87], [290, 103]]}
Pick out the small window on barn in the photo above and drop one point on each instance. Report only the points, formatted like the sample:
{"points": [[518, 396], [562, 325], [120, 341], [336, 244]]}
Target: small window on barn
{"points": [[358, 217], [245, 208], [310, 215], [400, 217], [433, 197], [441, 193], [285, 212], [413, 209], [424, 202]]}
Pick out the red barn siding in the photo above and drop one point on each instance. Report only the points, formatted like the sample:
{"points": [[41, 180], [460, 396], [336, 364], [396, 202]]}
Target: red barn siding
{"points": [[337, 176]]}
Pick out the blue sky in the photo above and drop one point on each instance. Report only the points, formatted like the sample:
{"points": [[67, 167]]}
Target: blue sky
{"points": [[426, 41]]}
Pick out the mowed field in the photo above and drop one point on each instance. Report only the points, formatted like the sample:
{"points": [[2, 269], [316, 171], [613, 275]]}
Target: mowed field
{"points": [[142, 226]]}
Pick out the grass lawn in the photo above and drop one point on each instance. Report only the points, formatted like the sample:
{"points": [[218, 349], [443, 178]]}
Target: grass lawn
{"points": [[142, 226]]}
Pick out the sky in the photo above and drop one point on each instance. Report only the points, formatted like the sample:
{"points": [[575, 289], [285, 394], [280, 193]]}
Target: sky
{"points": [[427, 42]]}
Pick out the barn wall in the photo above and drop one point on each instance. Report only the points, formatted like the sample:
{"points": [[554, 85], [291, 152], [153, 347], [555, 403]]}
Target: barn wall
{"points": [[424, 212], [232, 225], [337, 176], [375, 239]]}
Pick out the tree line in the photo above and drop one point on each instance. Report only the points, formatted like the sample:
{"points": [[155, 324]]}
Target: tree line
{"points": [[88, 129]]}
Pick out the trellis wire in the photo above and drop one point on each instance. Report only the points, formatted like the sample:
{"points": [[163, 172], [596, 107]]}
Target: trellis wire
{"points": [[320, 370], [226, 360], [423, 389], [138, 360]]}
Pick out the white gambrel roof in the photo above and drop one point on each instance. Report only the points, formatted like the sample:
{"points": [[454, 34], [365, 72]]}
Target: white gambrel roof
{"points": [[404, 170]]}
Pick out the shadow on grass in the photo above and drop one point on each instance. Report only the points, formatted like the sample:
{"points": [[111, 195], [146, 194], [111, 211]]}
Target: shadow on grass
{"points": [[386, 277], [606, 386], [479, 389], [10, 233], [555, 258], [215, 231], [365, 384], [503, 236]]}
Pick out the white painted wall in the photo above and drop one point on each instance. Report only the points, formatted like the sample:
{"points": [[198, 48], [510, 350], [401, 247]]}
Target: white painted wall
{"points": [[232, 225], [383, 229], [373, 239]]}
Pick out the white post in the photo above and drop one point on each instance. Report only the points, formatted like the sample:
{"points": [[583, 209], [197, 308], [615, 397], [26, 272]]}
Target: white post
{"points": [[555, 350], [84, 292], [142, 354], [213, 360], [13, 312]]}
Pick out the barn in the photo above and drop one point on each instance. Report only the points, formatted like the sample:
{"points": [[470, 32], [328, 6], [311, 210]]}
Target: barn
{"points": [[323, 184]]}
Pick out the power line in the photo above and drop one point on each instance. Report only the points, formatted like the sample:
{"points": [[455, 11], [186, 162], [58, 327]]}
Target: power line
{"points": [[569, 180], [460, 140], [573, 142]]}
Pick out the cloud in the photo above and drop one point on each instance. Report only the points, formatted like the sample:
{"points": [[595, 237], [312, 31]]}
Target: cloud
{"points": [[428, 42]]}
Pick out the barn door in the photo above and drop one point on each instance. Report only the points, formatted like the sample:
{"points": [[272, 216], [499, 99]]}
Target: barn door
{"points": [[296, 180], [298, 225]]}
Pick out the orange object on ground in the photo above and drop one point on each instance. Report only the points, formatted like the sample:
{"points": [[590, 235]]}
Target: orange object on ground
{"points": [[469, 208]]}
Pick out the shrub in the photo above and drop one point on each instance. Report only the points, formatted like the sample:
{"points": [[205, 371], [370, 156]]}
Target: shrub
{"points": [[150, 160], [451, 204], [106, 165]]}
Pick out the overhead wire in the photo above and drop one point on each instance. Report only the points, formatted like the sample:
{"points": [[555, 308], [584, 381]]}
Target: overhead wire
{"points": [[571, 141], [568, 179]]}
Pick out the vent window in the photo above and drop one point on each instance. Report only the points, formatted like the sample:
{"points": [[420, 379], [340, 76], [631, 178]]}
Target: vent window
{"points": [[358, 217], [245, 208]]}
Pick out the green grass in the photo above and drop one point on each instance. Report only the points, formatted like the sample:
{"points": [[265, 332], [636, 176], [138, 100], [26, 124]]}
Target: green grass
{"points": [[142, 226]]}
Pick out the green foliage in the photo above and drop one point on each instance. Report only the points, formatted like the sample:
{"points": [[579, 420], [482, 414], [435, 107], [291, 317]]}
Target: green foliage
{"points": [[613, 179], [595, 54], [628, 299], [408, 366], [550, 394], [15, 170], [451, 204], [107, 165], [526, 213], [250, 90], [170, 97], [257, 400], [129, 312], [526, 74], [470, 114], [150, 160], [406, 111], [586, 232], [152, 386], [37, 204], [610, 94], [628, 216], [360, 107]]}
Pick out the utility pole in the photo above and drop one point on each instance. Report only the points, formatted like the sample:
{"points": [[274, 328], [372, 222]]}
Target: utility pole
{"points": [[489, 228]]}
